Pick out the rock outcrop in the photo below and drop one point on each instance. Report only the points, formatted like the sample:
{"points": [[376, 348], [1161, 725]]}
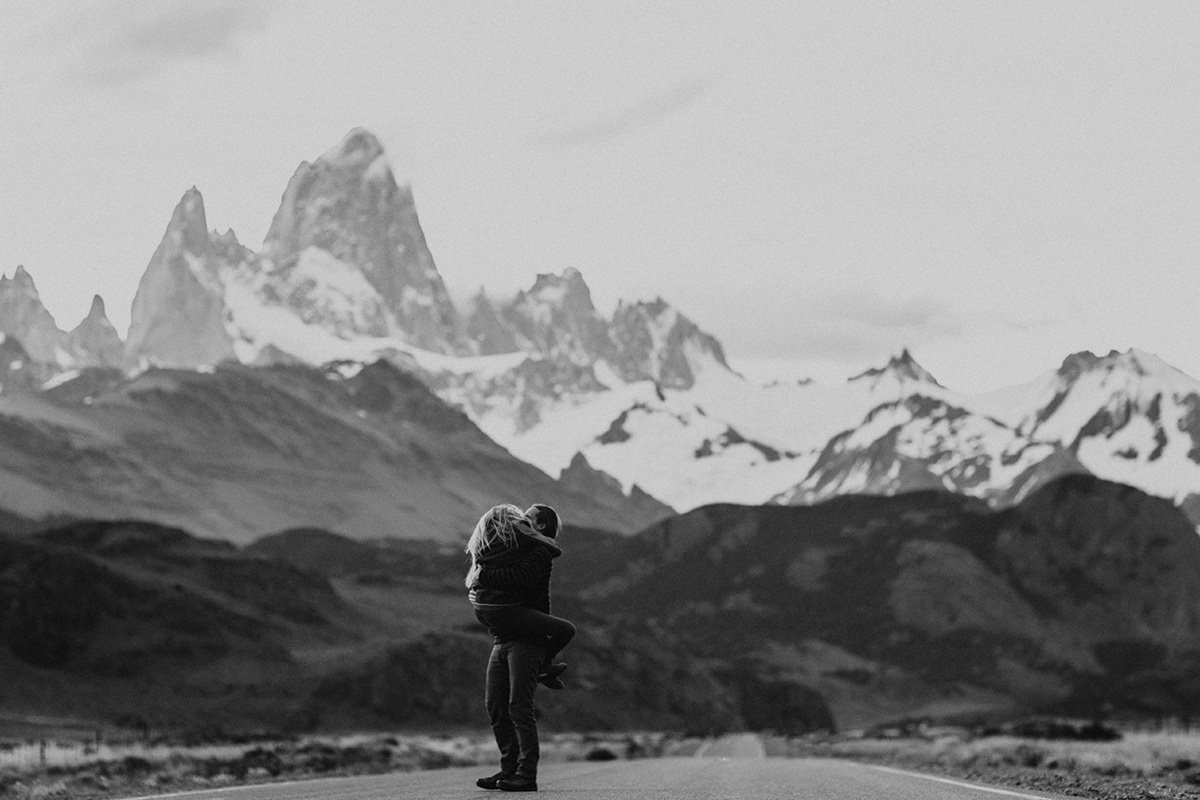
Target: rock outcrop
{"points": [[94, 342], [23, 316], [179, 314], [348, 204]]}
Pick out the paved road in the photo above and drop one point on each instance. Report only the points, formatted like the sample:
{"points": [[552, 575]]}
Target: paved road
{"points": [[743, 774]]}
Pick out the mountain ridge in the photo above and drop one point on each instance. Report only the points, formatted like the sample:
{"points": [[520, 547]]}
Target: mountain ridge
{"points": [[644, 395], [235, 451], [1083, 592]]}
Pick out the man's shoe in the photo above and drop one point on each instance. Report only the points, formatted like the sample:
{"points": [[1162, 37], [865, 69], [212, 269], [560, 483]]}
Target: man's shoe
{"points": [[517, 783], [492, 781]]}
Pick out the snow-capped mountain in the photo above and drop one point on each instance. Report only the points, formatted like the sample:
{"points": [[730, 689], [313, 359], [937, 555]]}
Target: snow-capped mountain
{"points": [[556, 319], [917, 435], [901, 369], [655, 341], [571, 355], [644, 396], [344, 272], [346, 214], [1129, 417], [1126, 417], [916, 443], [717, 439]]}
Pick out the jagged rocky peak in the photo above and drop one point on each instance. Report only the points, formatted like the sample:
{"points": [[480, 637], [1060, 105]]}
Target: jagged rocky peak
{"points": [[349, 205], [485, 329], [360, 150], [568, 291], [23, 317], [21, 280], [226, 249], [1121, 411], [1132, 372], [226, 242], [20, 284], [1135, 361], [655, 341], [178, 313], [1140, 362], [1077, 364], [97, 316], [95, 342], [903, 368], [189, 222], [556, 317]]}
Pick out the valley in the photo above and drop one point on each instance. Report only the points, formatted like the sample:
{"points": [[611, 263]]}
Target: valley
{"points": [[1082, 599]]}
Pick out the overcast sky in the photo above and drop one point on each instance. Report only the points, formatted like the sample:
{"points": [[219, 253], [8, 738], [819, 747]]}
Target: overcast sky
{"points": [[993, 185]]}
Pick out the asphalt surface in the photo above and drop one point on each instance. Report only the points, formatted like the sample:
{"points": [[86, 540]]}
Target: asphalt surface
{"points": [[730, 768]]}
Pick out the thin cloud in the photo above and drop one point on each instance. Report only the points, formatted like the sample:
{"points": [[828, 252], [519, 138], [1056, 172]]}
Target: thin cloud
{"points": [[127, 42], [868, 312], [642, 114], [852, 346], [848, 328], [856, 326], [1030, 324], [855, 349]]}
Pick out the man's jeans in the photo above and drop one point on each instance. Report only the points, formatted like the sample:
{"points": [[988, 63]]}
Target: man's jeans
{"points": [[512, 672]]}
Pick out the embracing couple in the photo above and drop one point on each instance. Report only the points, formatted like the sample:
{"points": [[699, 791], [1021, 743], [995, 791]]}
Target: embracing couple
{"points": [[509, 585]]}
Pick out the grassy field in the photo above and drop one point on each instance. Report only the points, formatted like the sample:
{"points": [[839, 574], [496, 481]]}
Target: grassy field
{"points": [[1154, 766], [1137, 765], [77, 770]]}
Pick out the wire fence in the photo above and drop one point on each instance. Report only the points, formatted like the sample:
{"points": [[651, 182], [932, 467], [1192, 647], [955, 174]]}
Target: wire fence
{"points": [[33, 742], [64, 753], [1185, 726]]}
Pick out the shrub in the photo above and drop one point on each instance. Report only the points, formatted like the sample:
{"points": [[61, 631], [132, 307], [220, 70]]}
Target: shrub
{"points": [[600, 754]]}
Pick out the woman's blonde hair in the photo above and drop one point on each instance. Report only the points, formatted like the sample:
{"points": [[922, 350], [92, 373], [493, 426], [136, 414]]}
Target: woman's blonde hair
{"points": [[498, 528]]}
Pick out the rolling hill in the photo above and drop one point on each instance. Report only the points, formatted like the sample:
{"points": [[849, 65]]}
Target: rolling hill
{"points": [[1083, 598]]}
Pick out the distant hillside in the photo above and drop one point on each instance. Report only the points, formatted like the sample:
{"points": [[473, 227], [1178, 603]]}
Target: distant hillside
{"points": [[135, 621], [1084, 598], [124, 621], [236, 452], [1086, 595], [589, 551]]}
